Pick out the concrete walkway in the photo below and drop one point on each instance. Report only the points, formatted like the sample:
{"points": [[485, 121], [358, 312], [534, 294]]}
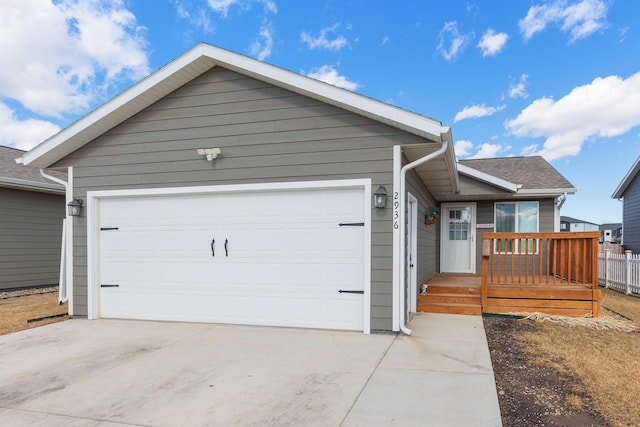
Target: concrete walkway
{"points": [[441, 375], [134, 373]]}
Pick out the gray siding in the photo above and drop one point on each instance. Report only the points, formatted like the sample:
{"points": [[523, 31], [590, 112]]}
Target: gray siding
{"points": [[428, 235], [631, 216], [266, 134], [30, 238], [486, 212]]}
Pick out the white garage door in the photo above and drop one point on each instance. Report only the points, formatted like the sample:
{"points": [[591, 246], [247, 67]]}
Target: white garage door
{"points": [[283, 258]]}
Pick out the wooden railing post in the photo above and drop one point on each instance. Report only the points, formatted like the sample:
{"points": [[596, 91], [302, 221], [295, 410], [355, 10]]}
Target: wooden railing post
{"points": [[487, 248]]}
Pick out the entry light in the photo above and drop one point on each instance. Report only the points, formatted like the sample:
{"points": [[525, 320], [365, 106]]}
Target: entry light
{"points": [[209, 153], [380, 197], [74, 207]]}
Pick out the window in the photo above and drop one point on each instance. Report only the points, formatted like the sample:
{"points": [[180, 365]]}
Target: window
{"points": [[520, 217]]}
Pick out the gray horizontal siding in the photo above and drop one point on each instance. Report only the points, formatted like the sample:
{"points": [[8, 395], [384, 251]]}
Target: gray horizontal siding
{"points": [[30, 238], [631, 216], [266, 134]]}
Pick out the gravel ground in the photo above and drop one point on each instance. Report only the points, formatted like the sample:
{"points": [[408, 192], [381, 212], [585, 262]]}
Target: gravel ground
{"points": [[27, 291], [532, 395]]}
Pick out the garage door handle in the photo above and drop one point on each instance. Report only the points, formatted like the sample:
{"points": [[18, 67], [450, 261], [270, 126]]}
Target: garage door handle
{"points": [[226, 252], [342, 291], [213, 251]]}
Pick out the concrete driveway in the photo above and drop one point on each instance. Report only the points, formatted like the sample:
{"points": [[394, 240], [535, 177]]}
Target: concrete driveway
{"points": [[116, 373]]}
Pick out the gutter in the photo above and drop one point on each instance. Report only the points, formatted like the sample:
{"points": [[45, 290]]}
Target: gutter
{"points": [[403, 228], [62, 282]]}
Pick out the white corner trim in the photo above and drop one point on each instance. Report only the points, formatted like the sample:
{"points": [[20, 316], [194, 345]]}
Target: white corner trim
{"points": [[395, 201]]}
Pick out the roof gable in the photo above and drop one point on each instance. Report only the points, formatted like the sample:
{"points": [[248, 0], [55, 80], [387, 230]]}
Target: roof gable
{"points": [[199, 60], [522, 175], [626, 181]]}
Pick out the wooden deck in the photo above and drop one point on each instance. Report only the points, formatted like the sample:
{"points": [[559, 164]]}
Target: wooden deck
{"points": [[462, 294]]}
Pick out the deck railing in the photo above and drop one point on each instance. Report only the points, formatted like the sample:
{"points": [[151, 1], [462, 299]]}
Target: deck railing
{"points": [[519, 262]]}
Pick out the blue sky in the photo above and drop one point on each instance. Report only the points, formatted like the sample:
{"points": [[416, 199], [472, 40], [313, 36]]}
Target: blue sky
{"points": [[557, 78]]}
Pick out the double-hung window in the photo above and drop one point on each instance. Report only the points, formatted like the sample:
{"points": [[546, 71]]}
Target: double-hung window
{"points": [[516, 217]]}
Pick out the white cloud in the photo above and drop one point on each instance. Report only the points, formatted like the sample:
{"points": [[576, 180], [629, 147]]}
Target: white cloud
{"points": [[487, 151], [322, 42], [476, 111], [579, 19], [463, 148], [222, 6], [328, 74], [492, 43], [262, 49], [60, 58], [607, 107], [23, 134], [519, 89], [385, 40], [451, 42], [199, 18]]}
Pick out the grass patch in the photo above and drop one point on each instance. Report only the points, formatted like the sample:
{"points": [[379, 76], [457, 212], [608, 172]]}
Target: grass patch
{"points": [[605, 362], [16, 312]]}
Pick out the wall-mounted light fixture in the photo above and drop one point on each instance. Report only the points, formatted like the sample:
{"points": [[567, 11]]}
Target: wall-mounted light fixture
{"points": [[74, 207], [380, 197], [210, 153]]}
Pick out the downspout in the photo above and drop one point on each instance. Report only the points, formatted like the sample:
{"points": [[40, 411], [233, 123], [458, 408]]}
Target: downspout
{"points": [[62, 287], [403, 229]]}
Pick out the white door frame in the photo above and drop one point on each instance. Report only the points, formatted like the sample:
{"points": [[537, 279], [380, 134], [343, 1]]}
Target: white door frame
{"points": [[412, 252], [472, 233], [93, 224]]}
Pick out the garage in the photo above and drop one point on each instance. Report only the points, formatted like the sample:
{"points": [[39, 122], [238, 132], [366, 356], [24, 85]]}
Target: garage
{"points": [[254, 255]]}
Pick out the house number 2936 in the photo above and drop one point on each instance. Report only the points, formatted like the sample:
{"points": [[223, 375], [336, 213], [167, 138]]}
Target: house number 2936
{"points": [[396, 210]]}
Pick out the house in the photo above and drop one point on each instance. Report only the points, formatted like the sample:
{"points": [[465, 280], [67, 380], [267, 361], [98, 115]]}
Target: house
{"points": [[32, 209], [611, 232], [629, 192], [572, 224], [224, 189]]}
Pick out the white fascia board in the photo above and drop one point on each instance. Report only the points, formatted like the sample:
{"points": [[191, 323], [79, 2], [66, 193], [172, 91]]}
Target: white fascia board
{"points": [[193, 63], [545, 192], [24, 184], [127, 103], [487, 178], [619, 193]]}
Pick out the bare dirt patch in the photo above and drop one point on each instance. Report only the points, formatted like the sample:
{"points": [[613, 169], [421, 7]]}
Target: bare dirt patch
{"points": [[27, 309], [568, 372]]}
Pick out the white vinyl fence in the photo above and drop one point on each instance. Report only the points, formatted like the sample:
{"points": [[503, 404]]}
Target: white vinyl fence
{"points": [[619, 271]]}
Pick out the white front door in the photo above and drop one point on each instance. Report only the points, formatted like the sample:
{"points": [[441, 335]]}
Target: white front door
{"points": [[282, 258], [458, 238]]}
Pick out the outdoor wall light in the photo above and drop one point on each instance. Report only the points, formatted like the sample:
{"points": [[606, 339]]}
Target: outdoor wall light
{"points": [[75, 206], [380, 197], [210, 153]]}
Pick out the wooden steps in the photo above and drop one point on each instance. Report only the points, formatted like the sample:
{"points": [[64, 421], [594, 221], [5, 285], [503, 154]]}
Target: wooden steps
{"points": [[452, 297]]}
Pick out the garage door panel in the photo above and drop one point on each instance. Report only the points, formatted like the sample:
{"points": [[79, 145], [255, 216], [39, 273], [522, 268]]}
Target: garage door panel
{"points": [[286, 258]]}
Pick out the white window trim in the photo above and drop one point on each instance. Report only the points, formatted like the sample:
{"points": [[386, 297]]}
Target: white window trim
{"points": [[517, 245]]}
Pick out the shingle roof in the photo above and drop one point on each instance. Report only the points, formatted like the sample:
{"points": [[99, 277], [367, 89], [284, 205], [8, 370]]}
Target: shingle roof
{"points": [[629, 177], [28, 178], [532, 173]]}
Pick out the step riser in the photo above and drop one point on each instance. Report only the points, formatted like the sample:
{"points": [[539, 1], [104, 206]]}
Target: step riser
{"points": [[444, 309], [456, 299], [444, 289]]}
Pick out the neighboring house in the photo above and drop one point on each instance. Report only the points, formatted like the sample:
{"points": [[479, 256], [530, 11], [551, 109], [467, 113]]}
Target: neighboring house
{"points": [[629, 192], [572, 224], [31, 212], [224, 189], [611, 233]]}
